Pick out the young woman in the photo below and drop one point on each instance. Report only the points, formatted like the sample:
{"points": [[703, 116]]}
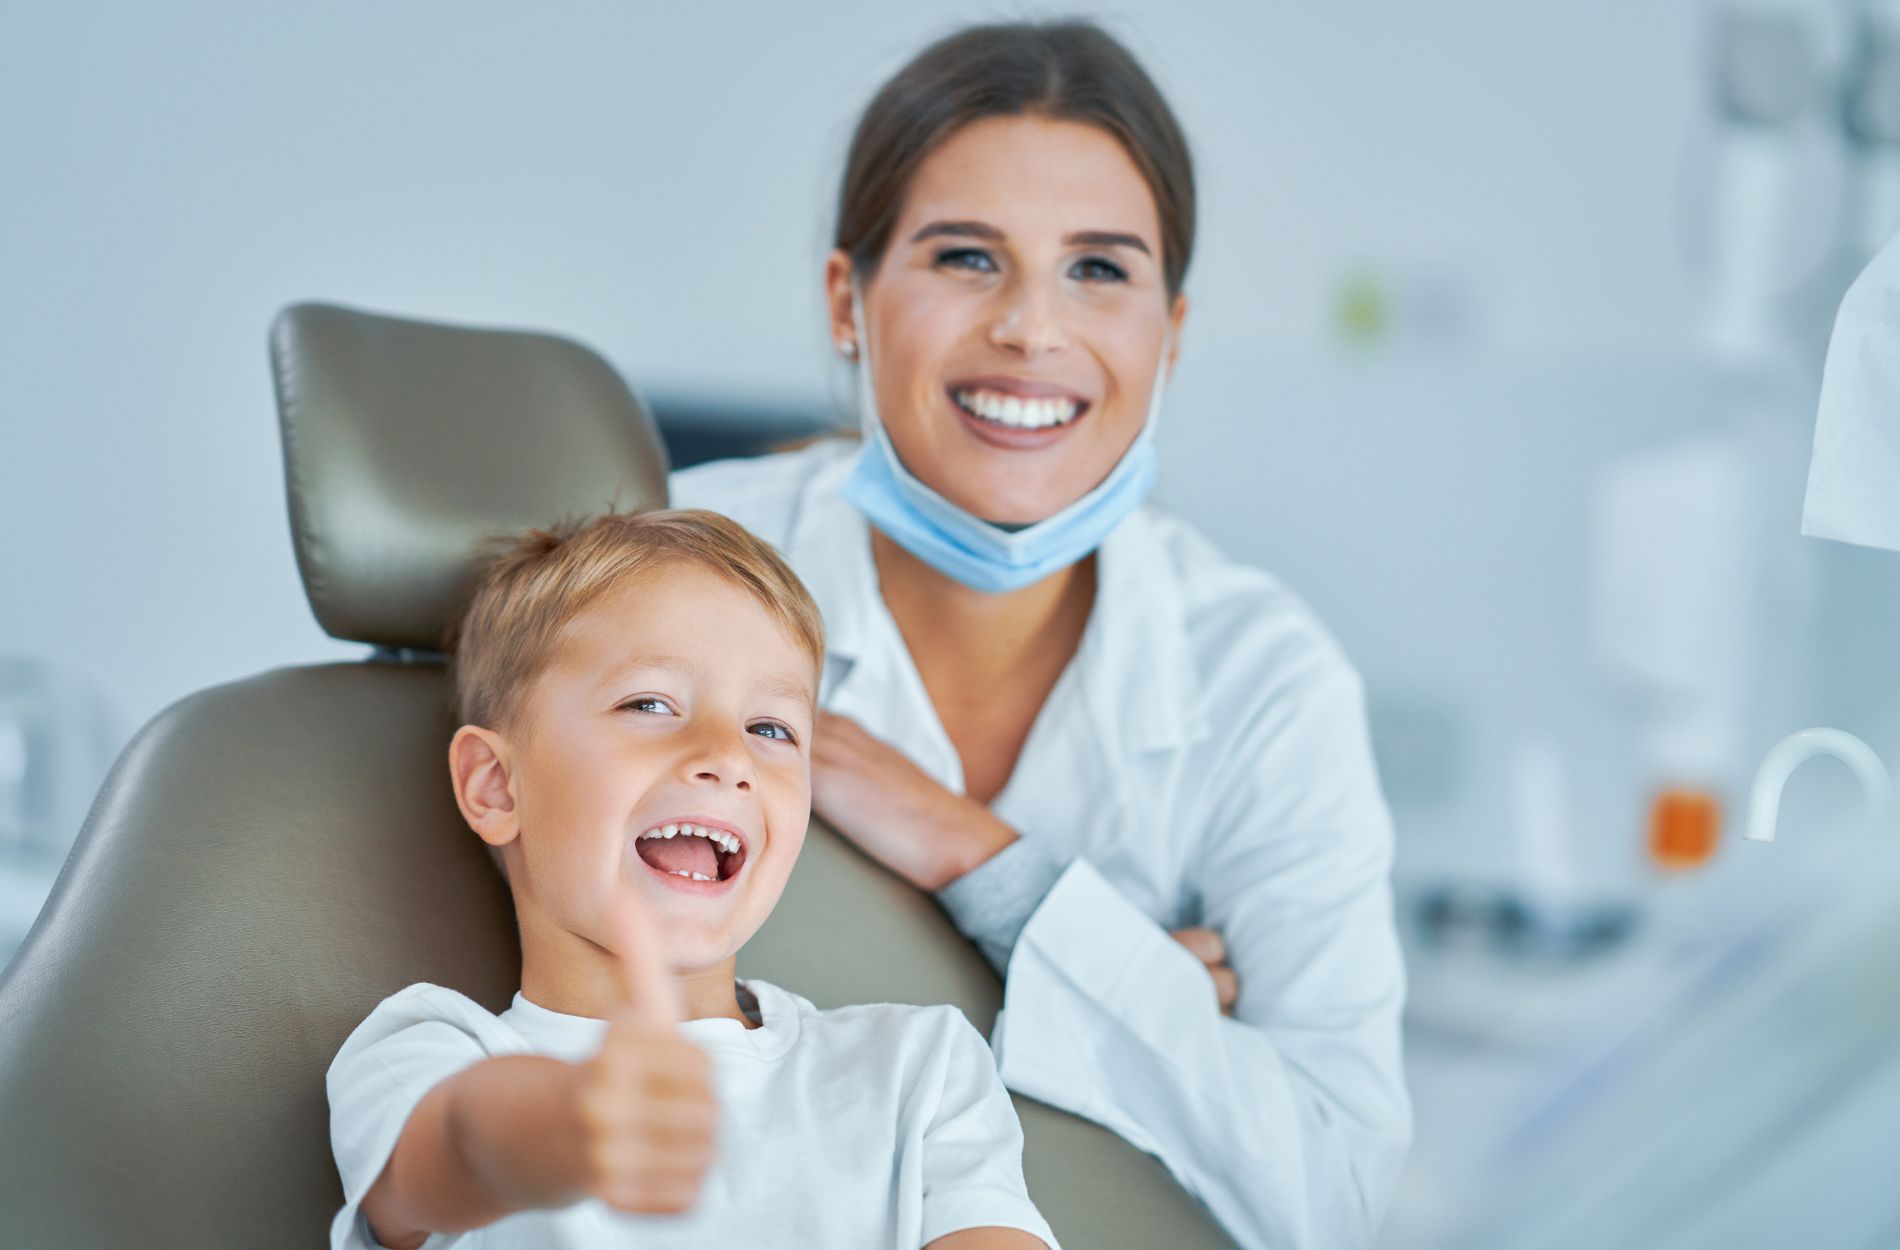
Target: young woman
{"points": [[1135, 773]]}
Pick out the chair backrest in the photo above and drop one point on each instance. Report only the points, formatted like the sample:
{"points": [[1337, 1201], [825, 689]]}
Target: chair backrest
{"points": [[270, 858]]}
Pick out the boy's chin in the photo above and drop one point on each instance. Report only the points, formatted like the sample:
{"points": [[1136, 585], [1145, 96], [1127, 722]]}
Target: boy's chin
{"points": [[705, 932], [701, 942]]}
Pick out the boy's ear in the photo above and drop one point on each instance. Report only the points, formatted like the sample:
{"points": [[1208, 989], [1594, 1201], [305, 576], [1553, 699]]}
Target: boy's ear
{"points": [[480, 768]]}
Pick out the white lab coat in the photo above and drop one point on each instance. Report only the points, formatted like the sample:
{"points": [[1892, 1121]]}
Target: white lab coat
{"points": [[1203, 760]]}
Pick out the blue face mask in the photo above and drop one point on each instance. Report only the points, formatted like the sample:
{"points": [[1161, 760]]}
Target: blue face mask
{"points": [[982, 554]]}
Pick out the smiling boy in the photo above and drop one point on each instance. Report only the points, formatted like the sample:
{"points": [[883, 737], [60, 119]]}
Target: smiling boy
{"points": [[638, 697]]}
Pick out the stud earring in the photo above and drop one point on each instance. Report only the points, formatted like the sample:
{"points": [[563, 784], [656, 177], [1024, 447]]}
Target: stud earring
{"points": [[848, 349]]}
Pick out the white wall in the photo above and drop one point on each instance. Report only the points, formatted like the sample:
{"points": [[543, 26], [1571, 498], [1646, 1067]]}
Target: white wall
{"points": [[656, 180]]}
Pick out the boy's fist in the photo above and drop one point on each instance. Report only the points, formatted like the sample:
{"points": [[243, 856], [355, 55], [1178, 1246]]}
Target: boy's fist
{"points": [[646, 1101]]}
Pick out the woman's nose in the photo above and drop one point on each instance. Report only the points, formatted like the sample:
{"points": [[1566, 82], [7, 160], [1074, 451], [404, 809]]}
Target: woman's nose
{"points": [[1030, 322]]}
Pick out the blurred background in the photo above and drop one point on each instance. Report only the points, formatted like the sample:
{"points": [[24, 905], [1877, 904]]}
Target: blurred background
{"points": [[1506, 332]]}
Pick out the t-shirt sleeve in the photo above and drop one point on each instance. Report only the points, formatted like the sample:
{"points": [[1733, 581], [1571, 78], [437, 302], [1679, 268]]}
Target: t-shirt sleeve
{"points": [[409, 1044], [973, 1145]]}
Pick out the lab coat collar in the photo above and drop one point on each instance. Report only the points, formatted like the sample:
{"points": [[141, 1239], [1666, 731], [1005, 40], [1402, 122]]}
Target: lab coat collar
{"points": [[1139, 680], [1143, 683]]}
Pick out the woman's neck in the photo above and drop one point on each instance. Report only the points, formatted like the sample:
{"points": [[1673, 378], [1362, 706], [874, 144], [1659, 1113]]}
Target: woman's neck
{"points": [[987, 661], [947, 624]]}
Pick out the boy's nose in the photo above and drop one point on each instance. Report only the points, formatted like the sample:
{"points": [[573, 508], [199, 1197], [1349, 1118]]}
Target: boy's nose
{"points": [[719, 757]]}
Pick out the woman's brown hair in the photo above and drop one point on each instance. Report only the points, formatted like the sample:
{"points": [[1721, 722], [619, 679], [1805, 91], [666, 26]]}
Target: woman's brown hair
{"points": [[1069, 70]]}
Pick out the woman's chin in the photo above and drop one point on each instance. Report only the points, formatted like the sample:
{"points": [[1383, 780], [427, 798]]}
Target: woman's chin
{"points": [[1008, 509], [1019, 496]]}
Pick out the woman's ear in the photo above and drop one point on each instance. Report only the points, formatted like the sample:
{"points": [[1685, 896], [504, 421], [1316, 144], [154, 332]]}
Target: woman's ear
{"points": [[479, 767], [1176, 318], [838, 301]]}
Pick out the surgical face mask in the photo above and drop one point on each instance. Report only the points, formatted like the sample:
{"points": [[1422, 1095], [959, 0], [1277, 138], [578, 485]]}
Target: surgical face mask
{"points": [[982, 554]]}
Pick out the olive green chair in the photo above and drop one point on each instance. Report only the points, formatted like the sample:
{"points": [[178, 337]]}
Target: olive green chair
{"points": [[269, 858]]}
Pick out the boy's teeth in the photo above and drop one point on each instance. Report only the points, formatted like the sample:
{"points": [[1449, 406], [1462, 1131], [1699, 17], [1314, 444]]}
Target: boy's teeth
{"points": [[1029, 414], [726, 842]]}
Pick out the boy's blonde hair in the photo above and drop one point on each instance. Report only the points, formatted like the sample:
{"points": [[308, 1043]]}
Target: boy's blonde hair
{"points": [[542, 580]]}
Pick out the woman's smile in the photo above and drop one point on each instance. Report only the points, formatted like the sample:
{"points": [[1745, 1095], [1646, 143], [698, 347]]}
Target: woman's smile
{"points": [[1014, 415]]}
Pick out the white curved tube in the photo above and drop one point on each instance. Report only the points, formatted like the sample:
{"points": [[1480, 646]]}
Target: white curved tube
{"points": [[1764, 799]]}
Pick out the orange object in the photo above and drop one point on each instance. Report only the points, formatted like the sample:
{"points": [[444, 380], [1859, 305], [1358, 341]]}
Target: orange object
{"points": [[1684, 826]]}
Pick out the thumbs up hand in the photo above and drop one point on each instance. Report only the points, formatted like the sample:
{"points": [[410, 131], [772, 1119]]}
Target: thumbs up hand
{"points": [[646, 1103]]}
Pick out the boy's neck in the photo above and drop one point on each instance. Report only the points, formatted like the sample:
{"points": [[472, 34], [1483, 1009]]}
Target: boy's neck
{"points": [[566, 973], [713, 994]]}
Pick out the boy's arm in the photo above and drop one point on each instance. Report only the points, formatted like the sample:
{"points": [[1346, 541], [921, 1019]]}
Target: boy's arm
{"points": [[498, 1137], [988, 1239], [633, 1126]]}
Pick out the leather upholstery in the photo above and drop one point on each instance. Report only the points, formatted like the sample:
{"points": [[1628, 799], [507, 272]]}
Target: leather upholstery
{"points": [[267, 860], [272, 857], [406, 443]]}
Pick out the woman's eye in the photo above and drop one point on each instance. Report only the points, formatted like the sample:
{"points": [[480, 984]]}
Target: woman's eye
{"points": [[649, 702], [1104, 268], [957, 256], [772, 729]]}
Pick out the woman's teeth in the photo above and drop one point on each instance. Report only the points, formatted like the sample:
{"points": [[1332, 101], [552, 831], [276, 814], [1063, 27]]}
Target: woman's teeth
{"points": [[1028, 414]]}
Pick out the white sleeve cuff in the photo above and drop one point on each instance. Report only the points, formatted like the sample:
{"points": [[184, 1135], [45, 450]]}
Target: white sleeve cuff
{"points": [[992, 902], [982, 1206]]}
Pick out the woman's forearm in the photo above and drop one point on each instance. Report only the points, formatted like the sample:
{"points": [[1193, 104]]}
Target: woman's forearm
{"points": [[496, 1138]]}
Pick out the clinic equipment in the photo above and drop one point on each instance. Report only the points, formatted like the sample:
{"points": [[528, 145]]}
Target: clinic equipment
{"points": [[1851, 497], [1764, 800], [1765, 79]]}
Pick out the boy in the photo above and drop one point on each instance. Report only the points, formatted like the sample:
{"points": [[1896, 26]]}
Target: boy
{"points": [[638, 696]]}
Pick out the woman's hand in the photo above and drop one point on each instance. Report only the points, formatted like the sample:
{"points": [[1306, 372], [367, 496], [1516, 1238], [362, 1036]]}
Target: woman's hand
{"points": [[873, 794], [1212, 952]]}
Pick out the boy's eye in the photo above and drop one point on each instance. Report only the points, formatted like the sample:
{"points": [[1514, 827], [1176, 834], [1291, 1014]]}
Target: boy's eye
{"points": [[649, 703], [772, 729]]}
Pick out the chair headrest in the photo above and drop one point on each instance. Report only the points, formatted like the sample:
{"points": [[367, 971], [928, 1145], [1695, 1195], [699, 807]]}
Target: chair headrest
{"points": [[407, 443]]}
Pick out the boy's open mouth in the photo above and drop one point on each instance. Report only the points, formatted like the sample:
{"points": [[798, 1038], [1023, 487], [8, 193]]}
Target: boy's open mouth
{"points": [[693, 851]]}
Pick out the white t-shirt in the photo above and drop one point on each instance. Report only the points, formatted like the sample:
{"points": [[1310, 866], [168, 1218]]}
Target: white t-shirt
{"points": [[870, 1126]]}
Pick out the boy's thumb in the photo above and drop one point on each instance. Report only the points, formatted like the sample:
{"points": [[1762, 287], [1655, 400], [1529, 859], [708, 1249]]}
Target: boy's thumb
{"points": [[653, 994]]}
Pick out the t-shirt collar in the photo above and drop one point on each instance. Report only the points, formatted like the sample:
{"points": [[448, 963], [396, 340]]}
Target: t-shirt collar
{"points": [[575, 1038]]}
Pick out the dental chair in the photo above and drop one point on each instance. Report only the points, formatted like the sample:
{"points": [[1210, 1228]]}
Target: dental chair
{"points": [[270, 858]]}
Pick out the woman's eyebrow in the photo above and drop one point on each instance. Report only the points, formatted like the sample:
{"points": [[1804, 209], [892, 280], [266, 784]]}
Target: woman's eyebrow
{"points": [[983, 230], [1107, 238], [975, 229]]}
